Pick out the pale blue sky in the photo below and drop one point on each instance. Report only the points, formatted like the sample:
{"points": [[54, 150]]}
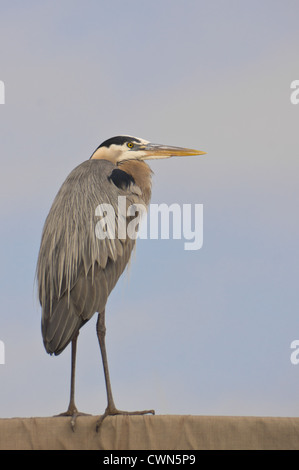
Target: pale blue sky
{"points": [[205, 332]]}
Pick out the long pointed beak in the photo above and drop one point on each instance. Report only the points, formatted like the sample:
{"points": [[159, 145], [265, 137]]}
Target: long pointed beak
{"points": [[155, 151]]}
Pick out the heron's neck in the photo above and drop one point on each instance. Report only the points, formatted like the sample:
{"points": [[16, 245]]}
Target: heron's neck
{"points": [[141, 173]]}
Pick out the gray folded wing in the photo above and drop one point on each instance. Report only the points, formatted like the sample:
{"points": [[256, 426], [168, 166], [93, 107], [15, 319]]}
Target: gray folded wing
{"points": [[76, 271]]}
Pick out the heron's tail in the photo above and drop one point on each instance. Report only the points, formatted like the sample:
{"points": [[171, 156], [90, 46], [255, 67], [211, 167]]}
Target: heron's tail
{"points": [[61, 327]]}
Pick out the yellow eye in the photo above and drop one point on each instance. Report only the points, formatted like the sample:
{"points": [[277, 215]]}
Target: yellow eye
{"points": [[130, 145]]}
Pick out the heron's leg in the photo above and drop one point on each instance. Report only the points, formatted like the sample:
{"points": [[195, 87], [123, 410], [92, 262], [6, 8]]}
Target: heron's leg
{"points": [[72, 409], [101, 333], [111, 408]]}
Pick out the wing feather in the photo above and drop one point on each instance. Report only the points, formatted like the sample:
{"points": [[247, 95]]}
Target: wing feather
{"points": [[76, 271]]}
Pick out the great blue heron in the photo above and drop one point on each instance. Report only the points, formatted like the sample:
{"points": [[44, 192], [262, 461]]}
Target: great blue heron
{"points": [[76, 269]]}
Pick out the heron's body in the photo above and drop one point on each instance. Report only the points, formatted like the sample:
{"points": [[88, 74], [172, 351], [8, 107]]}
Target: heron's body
{"points": [[76, 270]]}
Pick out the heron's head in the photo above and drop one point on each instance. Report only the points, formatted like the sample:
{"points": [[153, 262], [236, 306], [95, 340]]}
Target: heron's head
{"points": [[125, 147]]}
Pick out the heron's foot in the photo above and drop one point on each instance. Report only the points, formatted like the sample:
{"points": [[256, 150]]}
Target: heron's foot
{"points": [[111, 411], [73, 413]]}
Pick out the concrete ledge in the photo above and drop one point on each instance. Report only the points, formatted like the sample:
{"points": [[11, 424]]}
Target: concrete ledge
{"points": [[165, 432]]}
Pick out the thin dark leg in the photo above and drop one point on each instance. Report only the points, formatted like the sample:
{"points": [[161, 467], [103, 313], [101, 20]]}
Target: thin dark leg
{"points": [[111, 409], [72, 409], [101, 333]]}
